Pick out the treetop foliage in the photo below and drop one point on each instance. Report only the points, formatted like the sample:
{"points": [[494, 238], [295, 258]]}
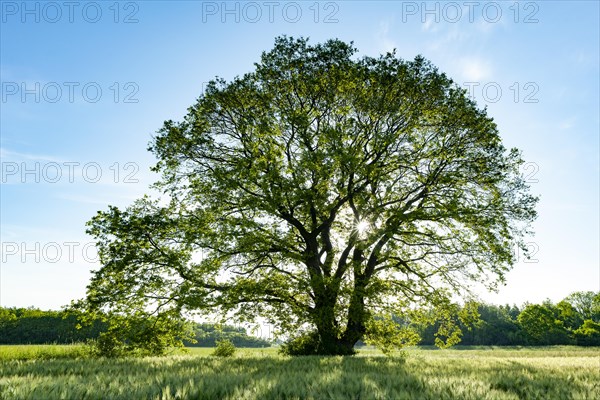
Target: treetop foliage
{"points": [[318, 191]]}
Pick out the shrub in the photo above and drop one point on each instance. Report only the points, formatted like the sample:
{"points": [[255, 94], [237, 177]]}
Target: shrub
{"points": [[106, 345], [224, 348], [588, 334], [303, 345], [309, 343]]}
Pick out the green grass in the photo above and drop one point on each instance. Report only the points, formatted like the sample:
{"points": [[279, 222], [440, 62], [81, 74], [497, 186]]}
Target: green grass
{"points": [[473, 373], [41, 352]]}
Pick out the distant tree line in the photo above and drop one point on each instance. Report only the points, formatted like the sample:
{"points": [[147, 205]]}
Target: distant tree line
{"points": [[34, 326], [572, 321], [206, 335]]}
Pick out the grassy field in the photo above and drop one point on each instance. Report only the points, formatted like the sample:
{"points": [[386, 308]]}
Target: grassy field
{"points": [[64, 372]]}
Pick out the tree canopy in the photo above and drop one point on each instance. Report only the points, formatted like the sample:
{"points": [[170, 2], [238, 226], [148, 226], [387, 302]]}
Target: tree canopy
{"points": [[322, 192]]}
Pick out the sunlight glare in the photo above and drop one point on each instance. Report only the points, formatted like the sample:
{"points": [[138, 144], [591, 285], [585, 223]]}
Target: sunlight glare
{"points": [[362, 226]]}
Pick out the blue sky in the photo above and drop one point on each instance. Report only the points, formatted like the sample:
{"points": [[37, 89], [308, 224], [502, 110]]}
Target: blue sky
{"points": [[86, 84]]}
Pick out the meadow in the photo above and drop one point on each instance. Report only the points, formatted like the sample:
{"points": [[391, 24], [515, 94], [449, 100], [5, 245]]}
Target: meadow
{"points": [[66, 372]]}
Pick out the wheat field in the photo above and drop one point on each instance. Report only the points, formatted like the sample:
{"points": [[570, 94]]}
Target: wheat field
{"points": [[65, 372]]}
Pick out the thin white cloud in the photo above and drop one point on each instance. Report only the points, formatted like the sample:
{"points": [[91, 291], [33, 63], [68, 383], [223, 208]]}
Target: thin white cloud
{"points": [[11, 232], [567, 124], [85, 199], [585, 59], [115, 199], [9, 155], [21, 168], [429, 26], [385, 42], [445, 36], [474, 69]]}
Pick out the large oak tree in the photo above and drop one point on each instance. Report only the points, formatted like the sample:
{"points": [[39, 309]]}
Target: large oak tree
{"points": [[320, 191]]}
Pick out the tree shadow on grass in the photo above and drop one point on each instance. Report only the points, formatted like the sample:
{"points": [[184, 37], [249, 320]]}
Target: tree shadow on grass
{"points": [[389, 378], [314, 377], [309, 377], [528, 382]]}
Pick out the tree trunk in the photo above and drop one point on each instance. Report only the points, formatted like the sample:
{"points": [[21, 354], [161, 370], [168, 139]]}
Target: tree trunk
{"points": [[329, 341], [357, 315]]}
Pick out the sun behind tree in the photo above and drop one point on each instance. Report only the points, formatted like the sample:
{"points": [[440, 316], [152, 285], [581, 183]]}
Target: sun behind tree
{"points": [[327, 194]]}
